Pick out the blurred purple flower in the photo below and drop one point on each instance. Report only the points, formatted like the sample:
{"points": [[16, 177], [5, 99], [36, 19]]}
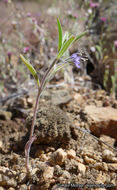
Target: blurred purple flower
{"points": [[115, 43], [94, 5], [9, 54], [103, 19], [76, 59], [28, 14], [5, 1], [34, 20], [26, 49]]}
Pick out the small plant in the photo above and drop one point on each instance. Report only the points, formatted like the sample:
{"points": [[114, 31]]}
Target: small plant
{"points": [[59, 62]]}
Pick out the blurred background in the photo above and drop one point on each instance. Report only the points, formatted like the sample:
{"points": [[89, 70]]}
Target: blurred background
{"points": [[30, 27]]}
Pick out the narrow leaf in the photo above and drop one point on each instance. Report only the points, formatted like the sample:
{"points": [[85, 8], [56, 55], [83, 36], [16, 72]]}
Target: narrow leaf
{"points": [[60, 34], [79, 36], [30, 67], [65, 46]]}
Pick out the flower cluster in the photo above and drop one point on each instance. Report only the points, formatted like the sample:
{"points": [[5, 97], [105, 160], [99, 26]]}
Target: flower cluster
{"points": [[76, 59]]}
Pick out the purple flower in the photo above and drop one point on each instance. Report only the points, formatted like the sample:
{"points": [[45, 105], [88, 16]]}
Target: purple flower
{"points": [[115, 43], [76, 59], [5, 1], [103, 19], [26, 49], [9, 54], [94, 5], [28, 14]]}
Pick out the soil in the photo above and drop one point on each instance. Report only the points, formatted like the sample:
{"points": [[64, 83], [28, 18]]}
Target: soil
{"points": [[63, 156]]}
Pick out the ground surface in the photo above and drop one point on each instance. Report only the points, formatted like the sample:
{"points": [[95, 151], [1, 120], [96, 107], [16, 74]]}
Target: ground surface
{"points": [[63, 156]]}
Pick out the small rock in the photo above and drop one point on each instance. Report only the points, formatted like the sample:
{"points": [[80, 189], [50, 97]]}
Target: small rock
{"points": [[30, 102], [1, 145], [7, 177], [66, 174], [48, 173], [101, 166], [1, 188], [5, 115], [101, 178], [71, 154], [22, 178], [22, 187], [107, 155], [112, 167], [43, 158], [89, 160], [81, 168], [58, 157]]}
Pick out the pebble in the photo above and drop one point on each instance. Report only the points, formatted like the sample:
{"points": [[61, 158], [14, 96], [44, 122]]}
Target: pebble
{"points": [[58, 157], [71, 154], [66, 174], [101, 166], [48, 173], [112, 167], [9, 179], [81, 168], [1, 188], [89, 160], [22, 178], [107, 155]]}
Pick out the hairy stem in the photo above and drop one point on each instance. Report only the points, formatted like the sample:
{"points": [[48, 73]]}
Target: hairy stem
{"points": [[32, 136]]}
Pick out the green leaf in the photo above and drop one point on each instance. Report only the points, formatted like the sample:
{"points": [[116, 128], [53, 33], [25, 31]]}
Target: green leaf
{"points": [[79, 36], [65, 37], [31, 68], [65, 47], [60, 34]]}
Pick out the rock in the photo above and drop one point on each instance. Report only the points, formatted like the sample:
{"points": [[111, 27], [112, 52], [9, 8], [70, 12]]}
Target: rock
{"points": [[1, 145], [101, 166], [108, 140], [48, 173], [5, 115], [7, 177], [30, 102], [102, 120], [22, 178], [1, 188], [66, 175], [112, 167], [71, 154], [43, 157], [52, 127], [58, 157], [89, 160], [107, 155], [22, 187], [101, 178], [81, 168]]}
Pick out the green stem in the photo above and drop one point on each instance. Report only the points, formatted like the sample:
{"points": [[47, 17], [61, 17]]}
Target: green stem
{"points": [[32, 136]]}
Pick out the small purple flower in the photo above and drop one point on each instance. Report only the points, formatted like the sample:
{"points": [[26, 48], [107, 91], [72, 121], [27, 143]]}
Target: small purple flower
{"points": [[5, 1], [26, 49], [103, 19], [94, 5], [76, 59], [28, 14], [9, 54], [115, 43]]}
